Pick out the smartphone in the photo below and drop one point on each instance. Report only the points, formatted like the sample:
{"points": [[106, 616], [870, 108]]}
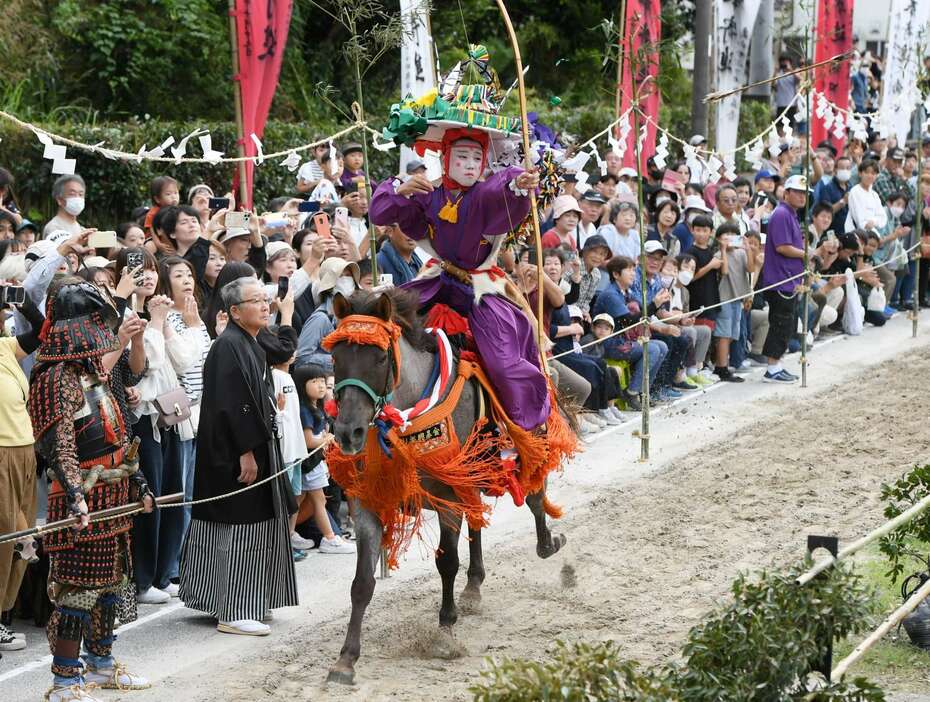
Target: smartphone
{"points": [[134, 259], [831, 236], [275, 220], [102, 240], [321, 220], [342, 217], [239, 220], [349, 188], [309, 206], [12, 295], [385, 279], [218, 203], [283, 283], [736, 241]]}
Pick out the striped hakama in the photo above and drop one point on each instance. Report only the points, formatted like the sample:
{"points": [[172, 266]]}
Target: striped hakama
{"points": [[238, 571]]}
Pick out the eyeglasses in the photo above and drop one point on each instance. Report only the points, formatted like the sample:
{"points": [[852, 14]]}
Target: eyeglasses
{"points": [[254, 301]]}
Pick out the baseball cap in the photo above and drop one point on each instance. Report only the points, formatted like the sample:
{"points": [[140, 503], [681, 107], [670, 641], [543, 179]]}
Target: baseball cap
{"points": [[766, 173], [275, 248], [594, 196], [897, 154], [603, 317], [563, 204], [232, 233], [797, 182], [26, 224], [39, 249], [652, 246], [351, 147], [595, 241]]}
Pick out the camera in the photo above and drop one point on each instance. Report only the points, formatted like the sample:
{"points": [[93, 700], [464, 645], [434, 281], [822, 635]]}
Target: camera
{"points": [[12, 294]]}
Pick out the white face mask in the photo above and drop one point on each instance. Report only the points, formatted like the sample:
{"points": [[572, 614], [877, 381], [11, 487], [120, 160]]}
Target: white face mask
{"points": [[345, 286], [896, 211], [843, 175], [74, 205], [685, 277], [667, 280]]}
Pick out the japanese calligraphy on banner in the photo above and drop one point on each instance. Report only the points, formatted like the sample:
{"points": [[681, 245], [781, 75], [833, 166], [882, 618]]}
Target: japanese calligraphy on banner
{"points": [[735, 21], [261, 33], [639, 47], [907, 29], [417, 65], [834, 36]]}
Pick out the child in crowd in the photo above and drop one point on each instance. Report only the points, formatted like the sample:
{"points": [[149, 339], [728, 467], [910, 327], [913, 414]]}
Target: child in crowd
{"points": [[311, 388], [676, 274], [737, 261], [293, 445], [165, 192], [325, 189], [354, 159], [704, 287]]}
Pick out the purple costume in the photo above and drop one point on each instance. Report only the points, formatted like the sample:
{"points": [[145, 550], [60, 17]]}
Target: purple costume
{"points": [[502, 333]]}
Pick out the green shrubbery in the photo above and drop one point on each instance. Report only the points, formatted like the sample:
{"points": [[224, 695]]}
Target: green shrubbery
{"points": [[759, 648]]}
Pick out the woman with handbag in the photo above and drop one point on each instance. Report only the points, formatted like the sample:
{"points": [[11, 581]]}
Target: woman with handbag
{"points": [[159, 405], [176, 279]]}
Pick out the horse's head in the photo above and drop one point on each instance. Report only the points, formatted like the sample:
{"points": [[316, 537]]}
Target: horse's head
{"points": [[366, 364]]}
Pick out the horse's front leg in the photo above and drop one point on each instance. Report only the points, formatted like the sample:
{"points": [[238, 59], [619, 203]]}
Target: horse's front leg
{"points": [[470, 599], [368, 531], [546, 544], [447, 563]]}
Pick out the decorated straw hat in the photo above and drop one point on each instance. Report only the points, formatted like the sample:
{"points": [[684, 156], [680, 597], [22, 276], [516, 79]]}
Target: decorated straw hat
{"points": [[455, 104]]}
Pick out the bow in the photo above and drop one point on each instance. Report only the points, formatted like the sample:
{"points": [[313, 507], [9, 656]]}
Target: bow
{"points": [[528, 161]]}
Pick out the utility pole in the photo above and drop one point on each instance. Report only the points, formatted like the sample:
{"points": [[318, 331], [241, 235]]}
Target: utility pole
{"points": [[761, 52], [703, 26]]}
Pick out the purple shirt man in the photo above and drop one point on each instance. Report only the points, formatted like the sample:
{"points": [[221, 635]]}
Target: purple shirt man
{"points": [[783, 229], [503, 334]]}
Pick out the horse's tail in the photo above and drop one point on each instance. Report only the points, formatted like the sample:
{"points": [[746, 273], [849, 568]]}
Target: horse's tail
{"points": [[552, 509]]}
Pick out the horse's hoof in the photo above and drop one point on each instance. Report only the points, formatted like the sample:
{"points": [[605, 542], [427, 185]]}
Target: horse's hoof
{"points": [[470, 601], [557, 542], [342, 677]]}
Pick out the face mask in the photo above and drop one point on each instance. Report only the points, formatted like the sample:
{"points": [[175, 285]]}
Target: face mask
{"points": [[667, 280], [685, 277], [843, 175], [896, 211], [345, 286], [74, 206]]}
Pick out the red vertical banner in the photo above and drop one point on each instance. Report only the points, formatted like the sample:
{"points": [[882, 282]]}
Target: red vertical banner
{"points": [[834, 36], [639, 51], [261, 34]]}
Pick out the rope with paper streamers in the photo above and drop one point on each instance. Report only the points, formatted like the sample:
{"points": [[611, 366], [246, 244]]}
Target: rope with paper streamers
{"points": [[645, 322], [55, 145]]}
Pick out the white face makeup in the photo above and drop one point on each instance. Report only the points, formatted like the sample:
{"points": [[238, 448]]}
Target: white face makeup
{"points": [[465, 162]]}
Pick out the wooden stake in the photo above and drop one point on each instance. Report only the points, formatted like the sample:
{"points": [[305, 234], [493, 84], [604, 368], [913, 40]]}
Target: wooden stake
{"points": [[644, 339]]}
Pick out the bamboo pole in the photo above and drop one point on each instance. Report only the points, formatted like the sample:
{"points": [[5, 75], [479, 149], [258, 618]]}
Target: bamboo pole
{"points": [[528, 164], [644, 339], [874, 535], [621, 31], [918, 222], [237, 95], [893, 620], [805, 308]]}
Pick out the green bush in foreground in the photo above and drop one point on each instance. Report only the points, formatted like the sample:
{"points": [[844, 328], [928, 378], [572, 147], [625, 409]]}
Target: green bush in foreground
{"points": [[758, 648]]}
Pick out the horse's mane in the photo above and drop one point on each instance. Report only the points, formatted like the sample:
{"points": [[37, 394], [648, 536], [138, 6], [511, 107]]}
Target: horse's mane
{"points": [[406, 306]]}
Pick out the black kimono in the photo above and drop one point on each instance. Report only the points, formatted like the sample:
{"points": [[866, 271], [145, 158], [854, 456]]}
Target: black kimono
{"points": [[236, 562]]}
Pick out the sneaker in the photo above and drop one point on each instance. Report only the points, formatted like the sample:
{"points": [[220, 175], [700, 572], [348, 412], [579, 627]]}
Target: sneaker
{"points": [[116, 678], [298, 555], [609, 417], [792, 376], [336, 545], [9, 642], [615, 411], [153, 596], [782, 377], [300, 543], [668, 394], [700, 381], [72, 693], [244, 627], [684, 387], [587, 428], [727, 376], [692, 382], [742, 370], [708, 374], [757, 360], [15, 634], [172, 589], [632, 401], [593, 418], [889, 311]]}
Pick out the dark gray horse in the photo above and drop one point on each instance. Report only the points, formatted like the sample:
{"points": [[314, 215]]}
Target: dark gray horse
{"points": [[374, 367]]}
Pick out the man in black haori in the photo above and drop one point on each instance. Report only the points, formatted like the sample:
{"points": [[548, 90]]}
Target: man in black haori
{"points": [[236, 563]]}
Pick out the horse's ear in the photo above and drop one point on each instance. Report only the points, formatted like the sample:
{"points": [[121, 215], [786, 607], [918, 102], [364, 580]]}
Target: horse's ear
{"points": [[341, 306], [385, 309]]}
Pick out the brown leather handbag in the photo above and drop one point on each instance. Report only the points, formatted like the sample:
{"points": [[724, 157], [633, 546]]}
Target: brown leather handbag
{"points": [[173, 407]]}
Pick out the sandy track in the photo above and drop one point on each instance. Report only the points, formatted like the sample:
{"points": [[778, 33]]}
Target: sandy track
{"points": [[645, 560]]}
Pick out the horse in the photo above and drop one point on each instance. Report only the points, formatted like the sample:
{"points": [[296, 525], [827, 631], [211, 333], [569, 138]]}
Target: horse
{"points": [[373, 367]]}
